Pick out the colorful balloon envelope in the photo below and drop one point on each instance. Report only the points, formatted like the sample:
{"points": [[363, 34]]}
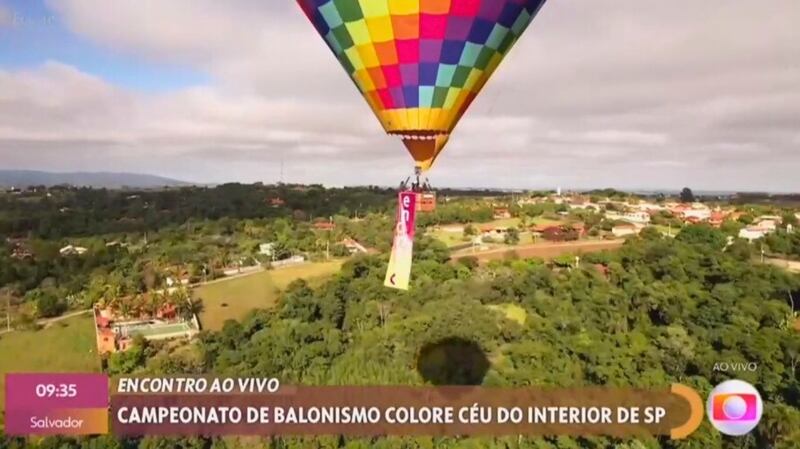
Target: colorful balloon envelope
{"points": [[420, 63]]}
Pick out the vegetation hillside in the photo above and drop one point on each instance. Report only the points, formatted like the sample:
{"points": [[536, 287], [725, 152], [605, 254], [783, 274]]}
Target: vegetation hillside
{"points": [[665, 310]]}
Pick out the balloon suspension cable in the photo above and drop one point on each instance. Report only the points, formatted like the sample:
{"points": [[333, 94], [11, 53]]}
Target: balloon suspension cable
{"points": [[417, 185], [425, 184]]}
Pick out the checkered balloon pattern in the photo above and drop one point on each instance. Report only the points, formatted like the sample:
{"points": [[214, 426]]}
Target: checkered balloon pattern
{"points": [[420, 63]]}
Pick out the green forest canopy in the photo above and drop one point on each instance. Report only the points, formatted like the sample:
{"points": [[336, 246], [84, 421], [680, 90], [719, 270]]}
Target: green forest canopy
{"points": [[667, 311]]}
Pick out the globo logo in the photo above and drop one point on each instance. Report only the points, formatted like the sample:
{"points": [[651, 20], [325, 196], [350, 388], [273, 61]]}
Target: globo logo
{"points": [[735, 407]]}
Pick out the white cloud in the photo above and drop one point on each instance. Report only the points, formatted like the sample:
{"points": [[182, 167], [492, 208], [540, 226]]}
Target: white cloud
{"points": [[6, 17], [624, 93]]}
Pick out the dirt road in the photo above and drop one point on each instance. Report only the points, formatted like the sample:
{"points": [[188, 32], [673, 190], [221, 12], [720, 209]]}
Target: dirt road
{"points": [[46, 322]]}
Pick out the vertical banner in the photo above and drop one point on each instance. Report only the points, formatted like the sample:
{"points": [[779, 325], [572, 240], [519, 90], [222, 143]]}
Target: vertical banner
{"points": [[399, 272]]}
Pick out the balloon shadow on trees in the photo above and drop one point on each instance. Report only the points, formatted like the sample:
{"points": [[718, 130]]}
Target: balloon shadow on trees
{"points": [[453, 361]]}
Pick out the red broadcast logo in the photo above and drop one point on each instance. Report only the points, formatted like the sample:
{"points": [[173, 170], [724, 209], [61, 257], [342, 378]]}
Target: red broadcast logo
{"points": [[735, 407]]}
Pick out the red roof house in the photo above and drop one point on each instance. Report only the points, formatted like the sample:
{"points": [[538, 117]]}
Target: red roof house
{"points": [[324, 226]]}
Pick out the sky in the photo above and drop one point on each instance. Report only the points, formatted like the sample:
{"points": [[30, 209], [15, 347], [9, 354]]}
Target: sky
{"points": [[630, 94]]}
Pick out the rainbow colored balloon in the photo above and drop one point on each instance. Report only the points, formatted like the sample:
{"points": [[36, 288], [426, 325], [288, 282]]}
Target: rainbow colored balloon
{"points": [[420, 63]]}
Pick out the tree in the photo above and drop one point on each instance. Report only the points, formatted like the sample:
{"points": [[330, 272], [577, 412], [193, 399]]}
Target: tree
{"points": [[789, 218], [687, 196], [664, 310], [300, 303], [48, 305], [650, 233], [512, 236], [151, 442], [779, 424], [471, 262], [731, 227], [470, 231], [677, 350], [129, 361], [702, 234], [741, 250]]}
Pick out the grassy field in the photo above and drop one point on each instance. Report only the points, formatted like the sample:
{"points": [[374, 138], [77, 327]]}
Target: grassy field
{"points": [[65, 346], [666, 230], [232, 299], [541, 221], [456, 238], [502, 223], [449, 238], [542, 250]]}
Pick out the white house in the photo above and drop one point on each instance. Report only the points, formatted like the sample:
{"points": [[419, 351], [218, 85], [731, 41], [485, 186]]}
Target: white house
{"points": [[70, 250], [585, 206], [649, 207], [637, 217], [694, 211], [266, 249], [769, 225], [173, 282], [624, 230], [453, 229], [699, 214], [494, 233], [641, 218], [294, 260], [759, 230], [752, 233], [354, 247]]}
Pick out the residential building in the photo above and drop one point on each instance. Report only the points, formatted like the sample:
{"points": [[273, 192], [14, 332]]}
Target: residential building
{"points": [[266, 249], [19, 249], [584, 205], [354, 247], [580, 228], [294, 260], [21, 253], [717, 217], [759, 230], [71, 250], [637, 217], [557, 233], [648, 207], [776, 218], [501, 213], [693, 213], [324, 226], [625, 229], [115, 332], [769, 224], [752, 233], [494, 232], [453, 229], [175, 281]]}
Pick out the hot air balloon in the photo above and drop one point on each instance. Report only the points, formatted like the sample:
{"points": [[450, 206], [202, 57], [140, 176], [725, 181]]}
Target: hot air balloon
{"points": [[420, 63]]}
